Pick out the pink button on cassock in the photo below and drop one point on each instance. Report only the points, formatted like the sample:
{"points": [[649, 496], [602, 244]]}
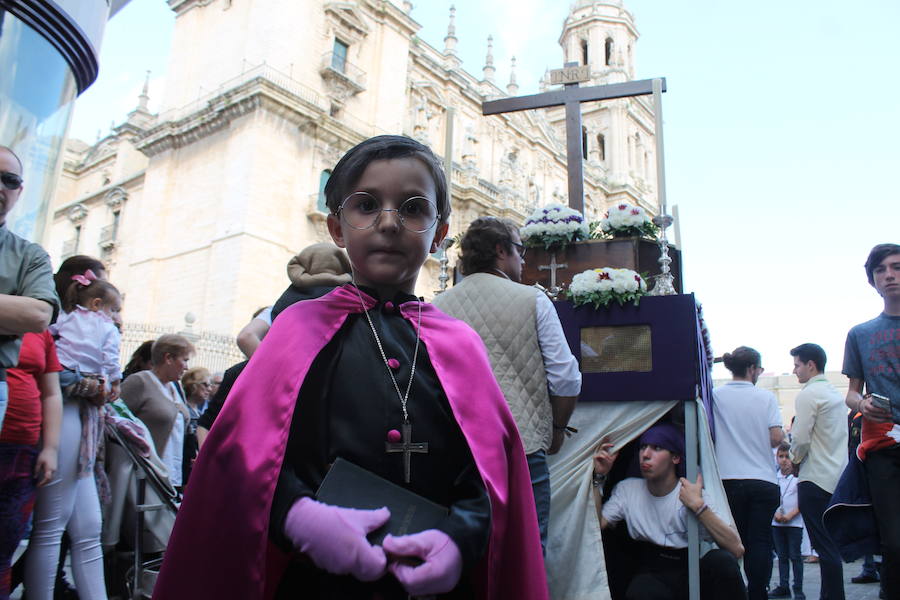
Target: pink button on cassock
{"points": [[393, 363], [389, 306]]}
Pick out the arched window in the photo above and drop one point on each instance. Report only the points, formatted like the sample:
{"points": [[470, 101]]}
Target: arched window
{"points": [[321, 205], [609, 51], [584, 143], [601, 147], [584, 52]]}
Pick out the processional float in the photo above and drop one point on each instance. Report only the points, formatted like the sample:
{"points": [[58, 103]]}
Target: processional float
{"points": [[637, 361]]}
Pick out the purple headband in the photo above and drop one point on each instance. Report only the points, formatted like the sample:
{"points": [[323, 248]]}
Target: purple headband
{"points": [[664, 435]]}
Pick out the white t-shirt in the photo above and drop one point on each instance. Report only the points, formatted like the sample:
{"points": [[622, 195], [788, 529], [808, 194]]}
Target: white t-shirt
{"points": [[788, 485], [659, 520], [743, 415]]}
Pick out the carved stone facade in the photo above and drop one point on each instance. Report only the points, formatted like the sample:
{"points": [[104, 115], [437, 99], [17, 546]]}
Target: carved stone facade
{"points": [[198, 208]]}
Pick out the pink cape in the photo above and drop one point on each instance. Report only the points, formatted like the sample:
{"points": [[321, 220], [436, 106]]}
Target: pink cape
{"points": [[219, 547]]}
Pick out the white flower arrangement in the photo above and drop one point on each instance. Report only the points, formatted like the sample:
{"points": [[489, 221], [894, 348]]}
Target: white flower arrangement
{"points": [[625, 220], [553, 226], [599, 287]]}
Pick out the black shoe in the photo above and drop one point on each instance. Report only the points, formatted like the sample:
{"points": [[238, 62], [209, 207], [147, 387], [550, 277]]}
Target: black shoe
{"points": [[863, 578], [64, 590], [780, 592]]}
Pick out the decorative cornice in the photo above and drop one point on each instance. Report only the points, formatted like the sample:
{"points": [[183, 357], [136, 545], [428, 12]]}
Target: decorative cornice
{"points": [[346, 18], [387, 12], [99, 195], [573, 22], [77, 213], [179, 7], [115, 198], [260, 93]]}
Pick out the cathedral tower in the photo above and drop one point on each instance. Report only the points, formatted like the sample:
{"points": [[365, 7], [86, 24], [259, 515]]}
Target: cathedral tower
{"points": [[601, 34], [617, 135]]}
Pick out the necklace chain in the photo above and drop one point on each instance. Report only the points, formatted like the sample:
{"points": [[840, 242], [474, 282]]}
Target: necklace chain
{"points": [[403, 397]]}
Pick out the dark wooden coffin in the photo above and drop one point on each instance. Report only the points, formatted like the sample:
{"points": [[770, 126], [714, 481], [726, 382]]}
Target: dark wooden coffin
{"points": [[628, 253]]}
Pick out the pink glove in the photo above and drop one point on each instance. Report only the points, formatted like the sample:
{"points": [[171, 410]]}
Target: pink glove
{"points": [[442, 566], [334, 538]]}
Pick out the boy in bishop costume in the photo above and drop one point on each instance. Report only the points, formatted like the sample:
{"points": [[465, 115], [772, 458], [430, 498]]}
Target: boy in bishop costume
{"points": [[369, 373]]}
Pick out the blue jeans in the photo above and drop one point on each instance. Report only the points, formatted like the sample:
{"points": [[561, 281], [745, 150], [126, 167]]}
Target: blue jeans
{"points": [[787, 547], [540, 483], [868, 566]]}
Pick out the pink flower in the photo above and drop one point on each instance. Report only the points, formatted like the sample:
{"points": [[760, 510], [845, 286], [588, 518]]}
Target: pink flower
{"points": [[623, 207], [635, 211], [602, 275]]}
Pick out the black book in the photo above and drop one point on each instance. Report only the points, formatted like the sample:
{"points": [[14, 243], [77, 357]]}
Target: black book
{"points": [[351, 486]]}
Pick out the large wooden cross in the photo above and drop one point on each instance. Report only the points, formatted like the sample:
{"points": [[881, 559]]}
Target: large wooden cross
{"points": [[571, 96]]}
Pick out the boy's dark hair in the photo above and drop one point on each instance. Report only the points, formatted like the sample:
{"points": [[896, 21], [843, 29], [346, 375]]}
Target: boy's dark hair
{"points": [[741, 359], [878, 254], [74, 265], [811, 352], [349, 169], [478, 247], [82, 294], [784, 447]]}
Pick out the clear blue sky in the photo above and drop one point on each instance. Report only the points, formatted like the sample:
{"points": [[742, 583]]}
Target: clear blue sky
{"points": [[782, 123]]}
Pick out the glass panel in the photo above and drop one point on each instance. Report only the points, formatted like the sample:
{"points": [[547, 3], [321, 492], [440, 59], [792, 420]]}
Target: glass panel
{"points": [[339, 56], [37, 90], [616, 349], [321, 205]]}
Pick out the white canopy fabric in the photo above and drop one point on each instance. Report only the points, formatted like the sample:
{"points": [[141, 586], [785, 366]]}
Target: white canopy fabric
{"points": [[575, 564]]}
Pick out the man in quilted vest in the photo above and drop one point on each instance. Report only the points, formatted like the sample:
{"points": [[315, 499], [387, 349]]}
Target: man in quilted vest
{"points": [[525, 342]]}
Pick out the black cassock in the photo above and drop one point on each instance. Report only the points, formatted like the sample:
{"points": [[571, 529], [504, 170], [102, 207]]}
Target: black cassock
{"points": [[346, 407]]}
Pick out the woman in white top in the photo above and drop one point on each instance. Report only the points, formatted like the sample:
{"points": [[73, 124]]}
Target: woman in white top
{"points": [[748, 425], [155, 397]]}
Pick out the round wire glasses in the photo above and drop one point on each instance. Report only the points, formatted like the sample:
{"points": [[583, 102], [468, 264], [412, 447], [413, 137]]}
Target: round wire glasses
{"points": [[361, 210]]}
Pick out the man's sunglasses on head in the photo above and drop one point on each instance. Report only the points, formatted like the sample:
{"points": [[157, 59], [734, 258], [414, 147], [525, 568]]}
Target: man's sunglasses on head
{"points": [[10, 181]]}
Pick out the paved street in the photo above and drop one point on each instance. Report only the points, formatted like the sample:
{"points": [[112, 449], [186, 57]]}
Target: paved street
{"points": [[853, 591]]}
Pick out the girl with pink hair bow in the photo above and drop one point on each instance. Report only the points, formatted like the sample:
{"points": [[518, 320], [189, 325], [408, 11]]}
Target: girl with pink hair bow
{"points": [[87, 344]]}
